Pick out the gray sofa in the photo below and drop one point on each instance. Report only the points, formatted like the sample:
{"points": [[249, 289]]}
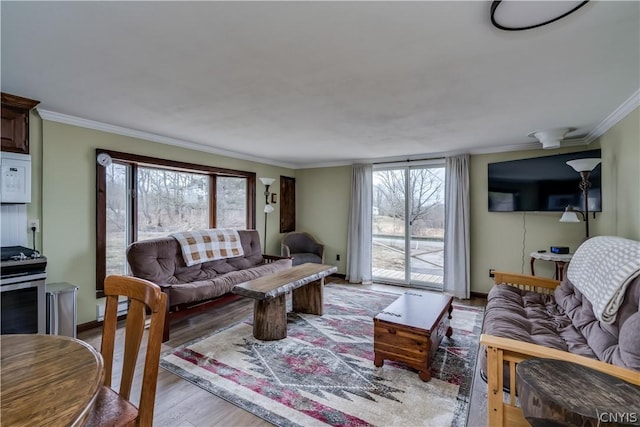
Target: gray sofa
{"points": [[528, 316], [199, 286], [565, 321]]}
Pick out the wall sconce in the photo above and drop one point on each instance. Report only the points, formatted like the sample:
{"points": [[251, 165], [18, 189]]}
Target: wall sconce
{"points": [[584, 168], [267, 207]]}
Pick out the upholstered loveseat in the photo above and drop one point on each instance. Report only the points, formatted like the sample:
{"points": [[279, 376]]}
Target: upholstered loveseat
{"points": [[528, 316], [196, 287]]}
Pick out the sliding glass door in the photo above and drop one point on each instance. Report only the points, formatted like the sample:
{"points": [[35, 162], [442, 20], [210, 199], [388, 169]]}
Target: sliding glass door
{"points": [[408, 225]]}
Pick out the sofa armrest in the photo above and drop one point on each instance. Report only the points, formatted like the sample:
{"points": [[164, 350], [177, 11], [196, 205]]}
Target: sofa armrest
{"points": [[285, 250], [272, 258], [506, 353], [526, 282], [319, 249]]}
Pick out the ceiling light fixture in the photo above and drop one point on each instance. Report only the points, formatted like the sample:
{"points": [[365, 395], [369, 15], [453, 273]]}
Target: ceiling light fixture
{"points": [[550, 138], [525, 15]]}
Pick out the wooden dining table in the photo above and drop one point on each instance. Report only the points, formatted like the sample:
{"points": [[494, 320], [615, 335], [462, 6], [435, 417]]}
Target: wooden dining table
{"points": [[47, 380]]}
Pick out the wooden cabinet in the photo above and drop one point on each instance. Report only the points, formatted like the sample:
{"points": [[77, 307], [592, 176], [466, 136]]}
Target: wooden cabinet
{"points": [[15, 123]]}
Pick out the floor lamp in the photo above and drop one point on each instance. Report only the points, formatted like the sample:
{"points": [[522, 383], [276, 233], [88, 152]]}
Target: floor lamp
{"points": [[584, 168], [267, 207]]}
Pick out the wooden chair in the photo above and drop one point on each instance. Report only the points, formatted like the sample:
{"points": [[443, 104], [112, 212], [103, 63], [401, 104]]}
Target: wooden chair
{"points": [[115, 409]]}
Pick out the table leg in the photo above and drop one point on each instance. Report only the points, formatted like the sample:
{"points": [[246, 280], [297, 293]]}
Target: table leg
{"points": [[308, 298], [270, 318], [449, 329], [531, 263], [377, 360], [425, 375], [560, 270]]}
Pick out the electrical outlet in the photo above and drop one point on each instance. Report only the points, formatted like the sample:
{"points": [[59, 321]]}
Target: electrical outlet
{"points": [[491, 272], [338, 257], [34, 223]]}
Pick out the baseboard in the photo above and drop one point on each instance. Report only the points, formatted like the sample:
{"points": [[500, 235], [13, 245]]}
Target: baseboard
{"points": [[478, 295], [94, 324]]}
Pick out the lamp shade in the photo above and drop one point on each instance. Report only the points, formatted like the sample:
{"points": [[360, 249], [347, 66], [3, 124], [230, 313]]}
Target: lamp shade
{"points": [[584, 165], [268, 209], [267, 181], [569, 216]]}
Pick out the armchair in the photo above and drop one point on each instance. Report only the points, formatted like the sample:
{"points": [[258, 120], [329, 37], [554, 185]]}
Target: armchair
{"points": [[302, 248]]}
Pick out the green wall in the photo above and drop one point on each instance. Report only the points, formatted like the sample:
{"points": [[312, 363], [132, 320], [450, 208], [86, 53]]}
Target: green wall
{"points": [[322, 208], [621, 192], [69, 199], [63, 159], [34, 209], [504, 240]]}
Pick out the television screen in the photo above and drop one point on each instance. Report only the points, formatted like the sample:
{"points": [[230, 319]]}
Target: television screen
{"points": [[542, 184]]}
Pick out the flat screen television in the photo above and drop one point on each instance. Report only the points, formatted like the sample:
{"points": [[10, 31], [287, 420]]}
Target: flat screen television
{"points": [[542, 184]]}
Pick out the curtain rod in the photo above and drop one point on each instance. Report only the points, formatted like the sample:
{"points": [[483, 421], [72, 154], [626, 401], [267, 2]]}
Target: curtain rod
{"points": [[408, 161]]}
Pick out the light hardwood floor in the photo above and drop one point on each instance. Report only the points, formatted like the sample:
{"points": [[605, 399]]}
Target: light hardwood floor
{"points": [[180, 403]]}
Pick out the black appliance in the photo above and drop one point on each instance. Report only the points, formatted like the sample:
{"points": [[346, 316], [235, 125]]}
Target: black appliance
{"points": [[22, 291], [542, 184]]}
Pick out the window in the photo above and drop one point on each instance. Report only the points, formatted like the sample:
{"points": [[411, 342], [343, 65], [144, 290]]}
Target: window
{"points": [[408, 224], [141, 197]]}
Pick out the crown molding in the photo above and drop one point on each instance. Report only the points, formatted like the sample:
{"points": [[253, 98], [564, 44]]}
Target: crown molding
{"points": [[147, 136], [574, 142], [612, 119]]}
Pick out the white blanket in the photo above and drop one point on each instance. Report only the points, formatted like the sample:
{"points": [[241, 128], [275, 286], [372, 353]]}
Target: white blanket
{"points": [[601, 270], [209, 245]]}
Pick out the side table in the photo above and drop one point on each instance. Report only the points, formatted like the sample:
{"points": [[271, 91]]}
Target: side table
{"points": [[560, 393], [560, 259]]}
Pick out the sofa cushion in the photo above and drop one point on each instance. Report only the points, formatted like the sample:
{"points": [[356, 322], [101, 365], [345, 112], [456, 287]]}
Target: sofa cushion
{"points": [[200, 290], [565, 321], [160, 261], [530, 317], [611, 343], [302, 258]]}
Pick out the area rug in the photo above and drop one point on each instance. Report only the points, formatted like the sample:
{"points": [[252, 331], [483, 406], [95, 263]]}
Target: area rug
{"points": [[323, 373]]}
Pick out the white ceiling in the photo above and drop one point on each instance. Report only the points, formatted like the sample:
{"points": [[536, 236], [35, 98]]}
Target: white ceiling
{"points": [[304, 84]]}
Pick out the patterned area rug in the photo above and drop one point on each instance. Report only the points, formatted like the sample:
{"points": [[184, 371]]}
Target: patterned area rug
{"points": [[323, 373]]}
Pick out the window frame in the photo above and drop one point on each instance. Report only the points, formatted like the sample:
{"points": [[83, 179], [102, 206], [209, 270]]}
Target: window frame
{"points": [[136, 160]]}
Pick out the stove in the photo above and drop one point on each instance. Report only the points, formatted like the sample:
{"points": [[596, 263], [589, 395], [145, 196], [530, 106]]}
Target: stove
{"points": [[20, 261], [22, 284]]}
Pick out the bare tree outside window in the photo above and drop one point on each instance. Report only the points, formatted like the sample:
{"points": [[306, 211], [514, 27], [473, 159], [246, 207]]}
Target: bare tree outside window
{"points": [[117, 229], [417, 207], [231, 202], [170, 201], [426, 187]]}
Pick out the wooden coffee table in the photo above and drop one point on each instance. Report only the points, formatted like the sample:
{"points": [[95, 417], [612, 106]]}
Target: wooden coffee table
{"points": [[305, 281], [411, 329]]}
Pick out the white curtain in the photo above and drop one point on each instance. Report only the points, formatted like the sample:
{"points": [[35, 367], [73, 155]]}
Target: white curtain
{"points": [[456, 241], [359, 238]]}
